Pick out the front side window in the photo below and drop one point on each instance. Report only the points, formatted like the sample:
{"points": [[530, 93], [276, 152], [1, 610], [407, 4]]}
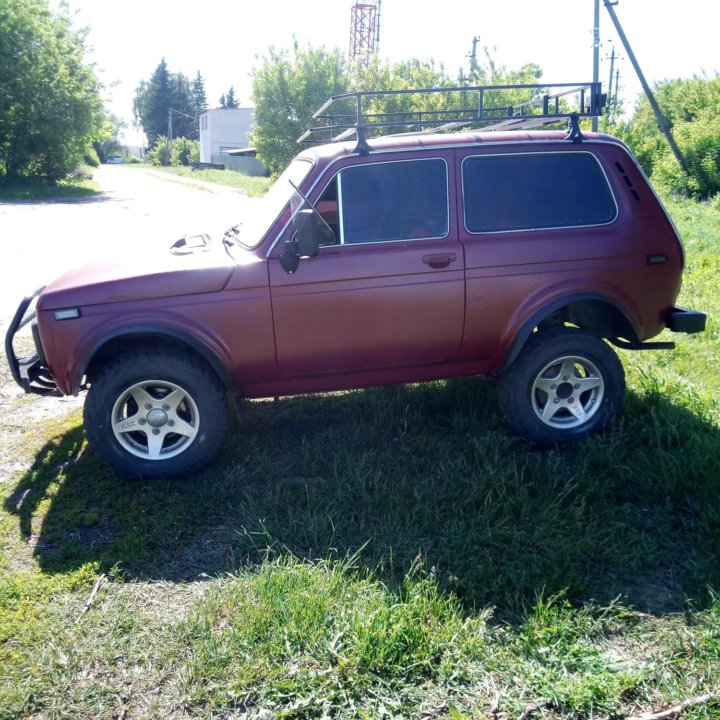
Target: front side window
{"points": [[389, 201], [535, 191]]}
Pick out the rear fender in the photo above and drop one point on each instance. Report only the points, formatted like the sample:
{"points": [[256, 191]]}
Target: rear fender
{"points": [[593, 313]]}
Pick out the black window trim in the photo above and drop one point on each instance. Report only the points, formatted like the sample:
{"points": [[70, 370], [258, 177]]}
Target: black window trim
{"points": [[475, 156]]}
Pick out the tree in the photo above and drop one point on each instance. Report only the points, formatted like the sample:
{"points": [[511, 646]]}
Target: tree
{"points": [[690, 107], [227, 100], [153, 99], [163, 93], [107, 141], [288, 87], [185, 119], [199, 98], [50, 106]]}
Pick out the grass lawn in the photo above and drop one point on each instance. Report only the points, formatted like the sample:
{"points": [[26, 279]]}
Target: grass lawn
{"points": [[253, 186], [388, 553], [40, 189]]}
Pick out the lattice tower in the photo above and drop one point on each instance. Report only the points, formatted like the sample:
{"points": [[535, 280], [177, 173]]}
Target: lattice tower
{"points": [[363, 30]]}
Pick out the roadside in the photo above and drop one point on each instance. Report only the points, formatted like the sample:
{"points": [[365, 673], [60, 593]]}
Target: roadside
{"points": [[135, 215], [196, 183], [138, 212]]}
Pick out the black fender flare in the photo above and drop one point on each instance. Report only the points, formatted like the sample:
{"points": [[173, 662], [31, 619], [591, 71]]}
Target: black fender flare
{"points": [[546, 311], [157, 332]]}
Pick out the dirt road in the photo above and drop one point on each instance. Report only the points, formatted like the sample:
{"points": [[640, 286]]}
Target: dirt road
{"points": [[137, 212]]}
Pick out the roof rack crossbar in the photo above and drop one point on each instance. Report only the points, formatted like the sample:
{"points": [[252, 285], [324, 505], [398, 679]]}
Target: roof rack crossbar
{"points": [[496, 107]]}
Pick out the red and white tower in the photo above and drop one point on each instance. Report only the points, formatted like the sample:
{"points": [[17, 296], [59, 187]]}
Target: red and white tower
{"points": [[364, 30]]}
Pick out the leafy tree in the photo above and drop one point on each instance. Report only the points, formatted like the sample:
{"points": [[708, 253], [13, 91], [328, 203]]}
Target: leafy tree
{"points": [[163, 93], [691, 109], [107, 141], [288, 87], [227, 100], [50, 106]]}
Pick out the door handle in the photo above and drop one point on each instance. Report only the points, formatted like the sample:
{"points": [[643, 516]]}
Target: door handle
{"points": [[439, 261]]}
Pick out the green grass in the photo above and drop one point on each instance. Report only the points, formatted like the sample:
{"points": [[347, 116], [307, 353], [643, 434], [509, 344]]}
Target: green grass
{"points": [[253, 186], [40, 189], [387, 553]]}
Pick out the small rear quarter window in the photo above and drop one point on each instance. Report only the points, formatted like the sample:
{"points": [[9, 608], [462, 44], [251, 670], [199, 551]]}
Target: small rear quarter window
{"points": [[535, 191]]}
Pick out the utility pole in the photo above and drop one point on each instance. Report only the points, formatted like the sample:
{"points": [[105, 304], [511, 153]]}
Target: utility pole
{"points": [[596, 53], [617, 86], [662, 122], [170, 112], [612, 70]]}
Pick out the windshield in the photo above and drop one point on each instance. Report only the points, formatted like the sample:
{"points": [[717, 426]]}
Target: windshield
{"points": [[263, 213]]}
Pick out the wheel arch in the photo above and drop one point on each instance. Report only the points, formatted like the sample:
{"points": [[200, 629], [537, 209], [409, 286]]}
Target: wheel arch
{"points": [[148, 336], [592, 313]]}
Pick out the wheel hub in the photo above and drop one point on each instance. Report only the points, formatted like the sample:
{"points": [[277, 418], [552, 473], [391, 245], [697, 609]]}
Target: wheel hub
{"points": [[156, 418], [564, 391], [567, 392]]}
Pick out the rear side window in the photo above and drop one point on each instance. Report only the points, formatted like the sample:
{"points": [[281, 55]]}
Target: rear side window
{"points": [[535, 191], [393, 201]]}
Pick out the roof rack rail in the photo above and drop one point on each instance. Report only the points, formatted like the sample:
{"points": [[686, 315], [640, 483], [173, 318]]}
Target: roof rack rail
{"points": [[367, 114]]}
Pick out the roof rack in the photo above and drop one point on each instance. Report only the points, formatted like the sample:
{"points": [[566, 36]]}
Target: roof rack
{"points": [[489, 107]]}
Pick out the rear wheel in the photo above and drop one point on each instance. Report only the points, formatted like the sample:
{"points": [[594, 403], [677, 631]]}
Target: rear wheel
{"points": [[564, 385], [155, 414]]}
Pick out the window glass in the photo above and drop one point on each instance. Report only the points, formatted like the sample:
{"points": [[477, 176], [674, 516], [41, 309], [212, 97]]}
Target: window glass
{"points": [[523, 192], [393, 201]]}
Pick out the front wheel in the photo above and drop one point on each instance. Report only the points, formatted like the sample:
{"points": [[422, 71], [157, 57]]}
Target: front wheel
{"points": [[564, 385], [155, 414]]}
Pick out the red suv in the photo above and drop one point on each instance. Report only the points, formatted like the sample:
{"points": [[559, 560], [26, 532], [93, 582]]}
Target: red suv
{"points": [[393, 259]]}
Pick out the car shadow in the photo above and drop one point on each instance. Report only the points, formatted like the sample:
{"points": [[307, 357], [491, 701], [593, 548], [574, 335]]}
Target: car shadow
{"points": [[398, 476]]}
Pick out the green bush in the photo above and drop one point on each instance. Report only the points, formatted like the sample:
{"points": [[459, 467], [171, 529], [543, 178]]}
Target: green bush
{"points": [[689, 106], [90, 157], [184, 152], [159, 153], [699, 142]]}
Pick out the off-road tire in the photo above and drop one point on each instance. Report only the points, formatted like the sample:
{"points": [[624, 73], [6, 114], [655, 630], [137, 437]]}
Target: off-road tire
{"points": [[155, 413], [565, 384]]}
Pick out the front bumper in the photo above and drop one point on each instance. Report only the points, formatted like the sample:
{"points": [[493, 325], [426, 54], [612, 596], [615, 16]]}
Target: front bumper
{"points": [[30, 372]]}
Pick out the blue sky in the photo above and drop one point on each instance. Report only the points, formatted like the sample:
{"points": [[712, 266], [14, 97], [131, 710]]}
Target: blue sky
{"points": [[224, 38]]}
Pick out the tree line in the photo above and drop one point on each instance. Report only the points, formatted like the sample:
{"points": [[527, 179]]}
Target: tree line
{"points": [[52, 116]]}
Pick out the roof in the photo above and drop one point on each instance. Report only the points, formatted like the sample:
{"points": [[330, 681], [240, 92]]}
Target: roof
{"points": [[409, 141]]}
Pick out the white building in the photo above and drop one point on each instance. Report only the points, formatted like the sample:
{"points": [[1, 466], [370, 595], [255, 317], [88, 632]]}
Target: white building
{"points": [[225, 129]]}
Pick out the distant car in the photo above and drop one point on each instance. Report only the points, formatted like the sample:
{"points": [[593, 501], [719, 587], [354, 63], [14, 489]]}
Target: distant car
{"points": [[392, 259], [114, 160]]}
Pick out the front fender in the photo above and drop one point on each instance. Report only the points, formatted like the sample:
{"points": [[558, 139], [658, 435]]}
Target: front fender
{"points": [[76, 344]]}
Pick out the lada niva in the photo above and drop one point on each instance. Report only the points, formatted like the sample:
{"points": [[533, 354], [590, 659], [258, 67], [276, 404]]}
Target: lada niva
{"points": [[514, 254]]}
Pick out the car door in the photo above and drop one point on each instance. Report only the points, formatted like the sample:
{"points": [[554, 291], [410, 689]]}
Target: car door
{"points": [[388, 288]]}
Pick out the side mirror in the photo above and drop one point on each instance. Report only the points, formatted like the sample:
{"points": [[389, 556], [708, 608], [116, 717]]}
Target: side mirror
{"points": [[306, 234]]}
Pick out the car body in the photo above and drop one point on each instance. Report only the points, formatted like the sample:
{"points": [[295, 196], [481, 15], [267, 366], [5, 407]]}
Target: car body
{"points": [[418, 257]]}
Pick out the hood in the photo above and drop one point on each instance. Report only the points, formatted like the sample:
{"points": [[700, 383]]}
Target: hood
{"points": [[205, 270]]}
